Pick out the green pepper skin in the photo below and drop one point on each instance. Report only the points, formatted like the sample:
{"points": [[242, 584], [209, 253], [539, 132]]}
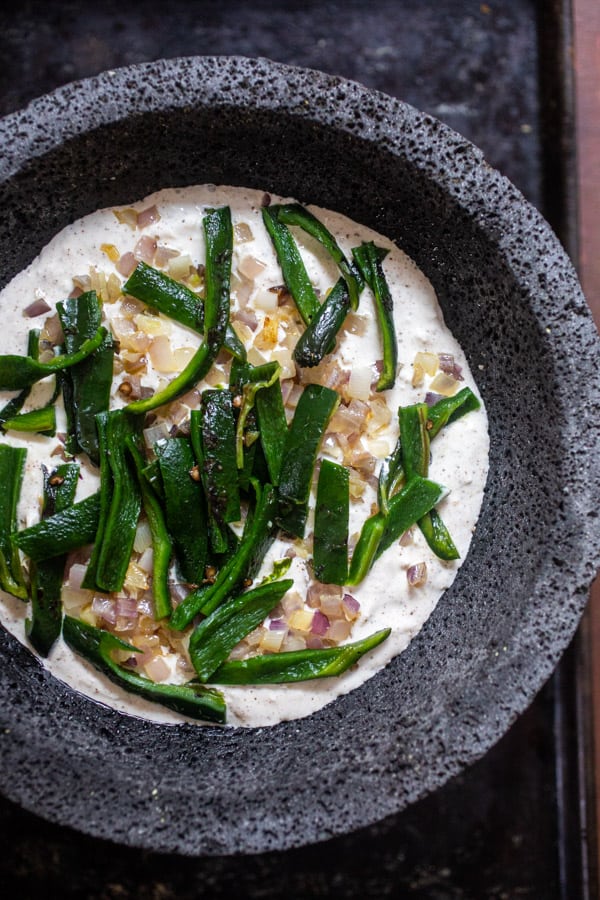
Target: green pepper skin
{"points": [[241, 565], [118, 525], [318, 338], [315, 408], [176, 301], [449, 409], [87, 385], [219, 248], [162, 546], [65, 531], [39, 421], [219, 464], [297, 665], [47, 577], [185, 507], [272, 426], [95, 645], [215, 637], [18, 372], [417, 498], [330, 557], [368, 258], [295, 214], [292, 266], [12, 466]]}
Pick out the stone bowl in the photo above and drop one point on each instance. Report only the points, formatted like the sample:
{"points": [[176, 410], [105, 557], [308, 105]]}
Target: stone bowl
{"points": [[509, 294]]}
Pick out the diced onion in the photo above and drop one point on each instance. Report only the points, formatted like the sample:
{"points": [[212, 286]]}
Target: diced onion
{"points": [[429, 362], [180, 266], [250, 267], [126, 264], [157, 669], [265, 300], [359, 385], [148, 216], [444, 384], [417, 575], [37, 308]]}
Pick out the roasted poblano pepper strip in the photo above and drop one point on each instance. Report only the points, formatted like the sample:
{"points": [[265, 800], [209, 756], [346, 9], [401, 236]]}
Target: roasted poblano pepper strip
{"points": [[12, 466], [253, 379], [15, 405], [215, 637], [380, 531], [87, 385], [177, 301], [391, 476], [296, 665], [315, 408], [39, 421], [272, 426], [241, 565], [47, 576], [121, 504], [368, 259], [414, 436], [74, 527], [185, 506], [295, 214], [162, 546], [292, 266], [449, 409], [96, 645], [318, 338], [218, 232], [330, 555], [218, 465], [17, 372]]}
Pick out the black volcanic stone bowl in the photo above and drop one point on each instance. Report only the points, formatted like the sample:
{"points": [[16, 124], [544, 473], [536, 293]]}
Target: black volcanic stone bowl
{"points": [[510, 296]]}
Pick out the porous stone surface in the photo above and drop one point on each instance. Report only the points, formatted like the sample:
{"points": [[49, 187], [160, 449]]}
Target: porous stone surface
{"points": [[511, 297]]}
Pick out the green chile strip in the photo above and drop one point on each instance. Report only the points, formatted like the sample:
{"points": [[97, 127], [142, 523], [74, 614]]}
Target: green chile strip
{"points": [[47, 576], [315, 408], [241, 565], [450, 409], [295, 214], [219, 464], [330, 558], [368, 258], [65, 531], [318, 339], [39, 421], [177, 301], [161, 541], [17, 372], [12, 466], [292, 267], [219, 247], [185, 506], [96, 645], [297, 665], [215, 637], [88, 384]]}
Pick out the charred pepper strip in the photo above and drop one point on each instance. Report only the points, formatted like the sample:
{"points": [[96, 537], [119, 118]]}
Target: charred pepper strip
{"points": [[87, 385], [318, 339], [65, 531], [47, 576], [97, 645], [315, 408], [177, 301], [272, 426], [330, 558], [162, 546], [117, 530], [185, 506], [218, 466], [215, 637], [292, 266], [380, 531], [12, 466], [219, 248], [295, 214], [105, 494], [368, 259], [415, 457], [253, 379], [450, 409], [15, 405], [297, 665], [17, 372], [241, 565]]}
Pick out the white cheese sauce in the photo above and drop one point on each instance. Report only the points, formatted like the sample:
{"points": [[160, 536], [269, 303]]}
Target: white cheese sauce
{"points": [[459, 458]]}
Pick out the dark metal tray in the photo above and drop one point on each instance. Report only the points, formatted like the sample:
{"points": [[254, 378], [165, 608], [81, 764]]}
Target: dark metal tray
{"points": [[515, 824]]}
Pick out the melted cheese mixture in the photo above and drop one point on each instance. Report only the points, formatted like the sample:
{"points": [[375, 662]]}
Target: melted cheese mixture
{"points": [[459, 453]]}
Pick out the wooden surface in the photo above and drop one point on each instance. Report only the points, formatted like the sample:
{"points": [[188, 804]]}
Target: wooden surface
{"points": [[586, 16]]}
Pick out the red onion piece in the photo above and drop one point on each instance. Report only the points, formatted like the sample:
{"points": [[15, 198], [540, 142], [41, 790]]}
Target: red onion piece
{"points": [[320, 623], [351, 603], [449, 366], [37, 308], [145, 249], [431, 399], [417, 575], [148, 216], [126, 264], [277, 625], [105, 609], [127, 607]]}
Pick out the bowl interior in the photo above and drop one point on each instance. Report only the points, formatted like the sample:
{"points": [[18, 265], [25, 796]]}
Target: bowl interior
{"points": [[511, 297]]}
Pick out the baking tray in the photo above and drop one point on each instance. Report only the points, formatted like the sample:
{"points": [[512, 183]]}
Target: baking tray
{"points": [[518, 823]]}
